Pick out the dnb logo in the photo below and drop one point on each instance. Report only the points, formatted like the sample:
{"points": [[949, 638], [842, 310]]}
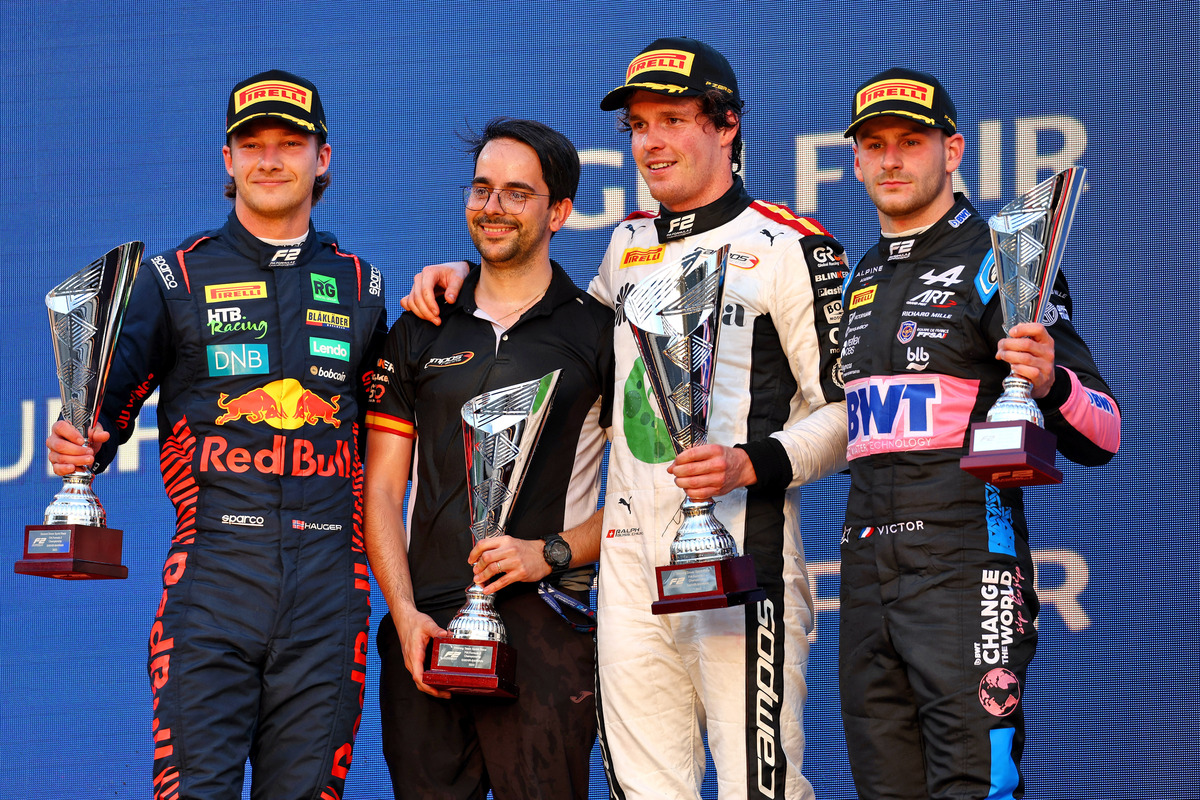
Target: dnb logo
{"points": [[284, 404]]}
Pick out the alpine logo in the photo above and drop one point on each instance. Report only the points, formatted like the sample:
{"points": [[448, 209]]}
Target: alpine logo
{"points": [[950, 277]]}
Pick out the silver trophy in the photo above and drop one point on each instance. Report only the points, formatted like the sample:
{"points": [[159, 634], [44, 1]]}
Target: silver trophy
{"points": [[86, 312], [500, 431], [674, 315], [1028, 238]]}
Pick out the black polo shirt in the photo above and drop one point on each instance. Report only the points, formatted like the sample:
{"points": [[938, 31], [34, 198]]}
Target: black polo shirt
{"points": [[426, 375]]}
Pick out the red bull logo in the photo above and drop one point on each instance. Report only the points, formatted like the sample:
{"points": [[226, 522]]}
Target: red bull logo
{"points": [[285, 457], [285, 405]]}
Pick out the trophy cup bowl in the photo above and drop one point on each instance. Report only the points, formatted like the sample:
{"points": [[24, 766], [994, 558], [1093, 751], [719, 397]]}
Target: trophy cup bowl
{"points": [[500, 431], [674, 314], [1028, 238], [86, 312]]}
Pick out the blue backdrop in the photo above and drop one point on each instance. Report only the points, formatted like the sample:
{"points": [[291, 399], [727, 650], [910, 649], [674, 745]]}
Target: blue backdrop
{"points": [[113, 126]]}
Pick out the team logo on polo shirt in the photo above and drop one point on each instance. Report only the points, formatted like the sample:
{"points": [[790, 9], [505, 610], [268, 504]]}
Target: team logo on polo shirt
{"points": [[450, 361]]}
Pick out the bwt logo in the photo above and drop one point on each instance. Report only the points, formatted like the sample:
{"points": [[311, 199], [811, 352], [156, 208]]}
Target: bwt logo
{"points": [[876, 409]]}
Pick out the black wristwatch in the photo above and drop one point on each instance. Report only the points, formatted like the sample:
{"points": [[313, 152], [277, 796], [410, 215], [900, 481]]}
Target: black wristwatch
{"points": [[557, 553]]}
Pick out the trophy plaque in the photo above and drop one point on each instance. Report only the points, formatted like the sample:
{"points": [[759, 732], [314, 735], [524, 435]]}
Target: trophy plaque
{"points": [[86, 311], [1028, 237], [500, 430], [674, 314]]}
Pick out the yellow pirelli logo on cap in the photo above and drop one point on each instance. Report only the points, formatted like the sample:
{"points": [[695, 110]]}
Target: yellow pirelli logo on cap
{"points": [[862, 296], [273, 90], [640, 256], [661, 60], [894, 89]]}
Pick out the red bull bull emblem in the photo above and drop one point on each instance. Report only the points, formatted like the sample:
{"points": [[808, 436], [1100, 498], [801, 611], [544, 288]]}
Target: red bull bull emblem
{"points": [[283, 404]]}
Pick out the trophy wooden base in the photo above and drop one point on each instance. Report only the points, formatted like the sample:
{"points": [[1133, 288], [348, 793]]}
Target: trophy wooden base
{"points": [[1007, 454], [72, 552], [706, 584], [472, 667]]}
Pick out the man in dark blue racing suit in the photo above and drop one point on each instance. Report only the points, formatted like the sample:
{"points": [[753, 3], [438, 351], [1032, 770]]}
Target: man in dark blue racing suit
{"points": [[260, 336]]}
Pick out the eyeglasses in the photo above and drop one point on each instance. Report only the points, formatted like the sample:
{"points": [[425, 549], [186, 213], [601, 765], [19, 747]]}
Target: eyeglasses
{"points": [[512, 201]]}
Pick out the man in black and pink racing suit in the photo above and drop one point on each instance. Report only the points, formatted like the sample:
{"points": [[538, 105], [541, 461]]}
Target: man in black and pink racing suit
{"points": [[937, 594]]}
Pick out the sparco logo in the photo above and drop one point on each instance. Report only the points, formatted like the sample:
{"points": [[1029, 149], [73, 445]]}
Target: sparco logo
{"points": [[164, 270], [451, 361], [376, 284], [242, 519], [766, 700]]}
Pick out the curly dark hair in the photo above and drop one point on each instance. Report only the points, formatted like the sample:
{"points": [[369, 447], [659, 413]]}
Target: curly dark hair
{"points": [[716, 105]]}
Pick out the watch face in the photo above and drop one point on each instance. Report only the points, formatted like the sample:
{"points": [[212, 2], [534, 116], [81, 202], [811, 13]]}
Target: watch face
{"points": [[558, 554]]}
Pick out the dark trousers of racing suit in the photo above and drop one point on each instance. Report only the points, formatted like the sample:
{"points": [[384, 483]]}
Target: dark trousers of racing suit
{"points": [[538, 748], [909, 602], [257, 645]]}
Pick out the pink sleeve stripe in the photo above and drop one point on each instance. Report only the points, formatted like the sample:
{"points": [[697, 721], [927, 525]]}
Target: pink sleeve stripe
{"points": [[1094, 414]]}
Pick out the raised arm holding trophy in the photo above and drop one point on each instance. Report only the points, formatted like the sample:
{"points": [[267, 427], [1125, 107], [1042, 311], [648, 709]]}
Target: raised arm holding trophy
{"points": [[86, 312], [1028, 237]]}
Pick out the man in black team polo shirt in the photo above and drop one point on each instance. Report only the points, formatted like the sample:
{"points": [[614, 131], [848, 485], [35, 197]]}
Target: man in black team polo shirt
{"points": [[519, 317]]}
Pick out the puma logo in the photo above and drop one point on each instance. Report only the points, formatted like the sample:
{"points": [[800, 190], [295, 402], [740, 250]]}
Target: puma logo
{"points": [[769, 235], [579, 698], [624, 502]]}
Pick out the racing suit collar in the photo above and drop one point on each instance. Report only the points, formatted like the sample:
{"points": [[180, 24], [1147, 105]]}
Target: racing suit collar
{"points": [[671, 225], [268, 256], [921, 244]]}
